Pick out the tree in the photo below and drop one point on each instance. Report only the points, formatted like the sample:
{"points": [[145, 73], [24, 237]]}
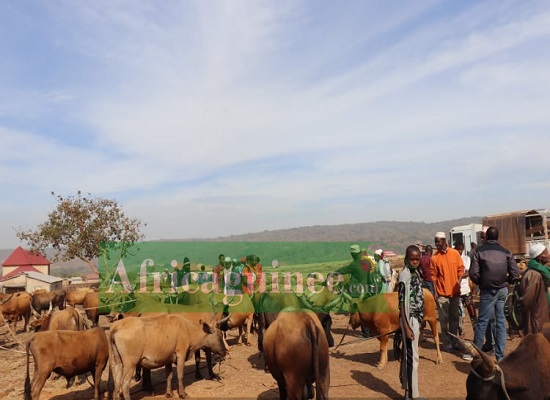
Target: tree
{"points": [[81, 227]]}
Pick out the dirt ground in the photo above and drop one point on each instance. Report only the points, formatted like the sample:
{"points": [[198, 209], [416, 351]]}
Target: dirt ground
{"points": [[352, 365]]}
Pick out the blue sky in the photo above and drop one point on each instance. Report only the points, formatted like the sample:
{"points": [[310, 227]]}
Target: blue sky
{"points": [[214, 118]]}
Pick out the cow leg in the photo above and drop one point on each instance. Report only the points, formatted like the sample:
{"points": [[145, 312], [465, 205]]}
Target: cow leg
{"points": [[38, 381], [240, 336], [433, 327], [180, 364], [137, 375], [26, 328], [308, 390], [211, 374], [295, 387], [282, 390], [383, 351], [248, 329], [198, 374], [70, 381], [126, 379], [169, 374], [97, 380], [146, 383]]}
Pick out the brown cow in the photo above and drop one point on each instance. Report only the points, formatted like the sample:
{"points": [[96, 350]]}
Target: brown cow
{"points": [[17, 306], [90, 304], [380, 315], [296, 352], [522, 374], [76, 297], [68, 353], [67, 319], [193, 316], [241, 312], [41, 299], [157, 341]]}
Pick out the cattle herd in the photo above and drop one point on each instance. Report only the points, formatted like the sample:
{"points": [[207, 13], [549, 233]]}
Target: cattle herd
{"points": [[293, 334]]}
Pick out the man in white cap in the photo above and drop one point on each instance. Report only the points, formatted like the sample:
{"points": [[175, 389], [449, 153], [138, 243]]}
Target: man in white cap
{"points": [[535, 290], [447, 268], [493, 268], [383, 270]]}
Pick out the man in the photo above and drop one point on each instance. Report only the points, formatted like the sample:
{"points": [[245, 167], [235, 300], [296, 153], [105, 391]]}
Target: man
{"points": [[467, 303], [362, 283], [411, 313], [425, 273], [493, 267], [251, 274], [218, 273], [383, 270], [446, 269], [535, 290]]}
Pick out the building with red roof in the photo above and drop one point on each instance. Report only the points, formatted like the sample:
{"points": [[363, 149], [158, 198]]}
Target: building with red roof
{"points": [[21, 258]]}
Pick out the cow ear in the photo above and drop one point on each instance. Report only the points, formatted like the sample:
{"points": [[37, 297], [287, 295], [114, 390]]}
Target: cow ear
{"points": [[205, 327]]}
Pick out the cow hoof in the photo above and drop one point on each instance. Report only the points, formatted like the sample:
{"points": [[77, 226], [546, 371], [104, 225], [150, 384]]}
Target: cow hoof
{"points": [[380, 365], [183, 396], [168, 395], [213, 376]]}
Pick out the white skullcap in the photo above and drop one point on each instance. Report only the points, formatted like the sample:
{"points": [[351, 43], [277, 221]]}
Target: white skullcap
{"points": [[227, 259], [354, 248], [536, 250], [440, 235], [379, 252]]}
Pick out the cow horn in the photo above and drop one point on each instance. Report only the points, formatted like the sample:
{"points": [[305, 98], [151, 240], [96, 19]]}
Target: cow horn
{"points": [[50, 308], [488, 361], [7, 299], [35, 313], [223, 320]]}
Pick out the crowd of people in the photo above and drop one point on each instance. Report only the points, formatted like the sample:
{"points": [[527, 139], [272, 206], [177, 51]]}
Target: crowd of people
{"points": [[449, 275]]}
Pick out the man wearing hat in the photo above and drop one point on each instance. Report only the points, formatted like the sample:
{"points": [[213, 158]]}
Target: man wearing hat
{"points": [[535, 290], [447, 268], [383, 270], [493, 268], [362, 283]]}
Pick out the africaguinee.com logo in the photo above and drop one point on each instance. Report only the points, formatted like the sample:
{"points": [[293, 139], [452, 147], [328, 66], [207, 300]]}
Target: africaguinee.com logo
{"points": [[156, 274]]}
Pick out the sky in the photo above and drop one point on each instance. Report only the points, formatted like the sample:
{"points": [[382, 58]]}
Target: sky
{"points": [[207, 119]]}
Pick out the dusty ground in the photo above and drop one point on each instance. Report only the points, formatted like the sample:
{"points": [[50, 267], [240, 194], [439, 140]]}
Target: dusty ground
{"points": [[353, 372]]}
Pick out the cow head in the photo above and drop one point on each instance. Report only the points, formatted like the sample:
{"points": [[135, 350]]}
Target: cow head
{"points": [[42, 322], [354, 320], [486, 380], [214, 338]]}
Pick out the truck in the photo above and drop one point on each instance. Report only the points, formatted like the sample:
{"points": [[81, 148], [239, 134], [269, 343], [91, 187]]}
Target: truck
{"points": [[466, 234], [519, 230]]}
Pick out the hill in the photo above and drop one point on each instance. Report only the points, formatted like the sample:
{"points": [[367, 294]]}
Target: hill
{"points": [[389, 235], [394, 235]]}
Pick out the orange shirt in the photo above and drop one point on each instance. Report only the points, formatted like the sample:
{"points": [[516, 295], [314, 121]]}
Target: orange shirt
{"points": [[255, 272], [447, 269]]}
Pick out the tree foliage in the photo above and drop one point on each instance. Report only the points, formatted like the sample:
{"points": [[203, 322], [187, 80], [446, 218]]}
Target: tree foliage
{"points": [[82, 227]]}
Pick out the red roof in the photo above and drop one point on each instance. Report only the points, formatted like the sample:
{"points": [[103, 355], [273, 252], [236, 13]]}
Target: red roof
{"points": [[21, 257], [18, 271]]}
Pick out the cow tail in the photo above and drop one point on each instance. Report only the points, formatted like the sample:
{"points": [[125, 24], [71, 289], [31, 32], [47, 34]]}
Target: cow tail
{"points": [[314, 336], [27, 377]]}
